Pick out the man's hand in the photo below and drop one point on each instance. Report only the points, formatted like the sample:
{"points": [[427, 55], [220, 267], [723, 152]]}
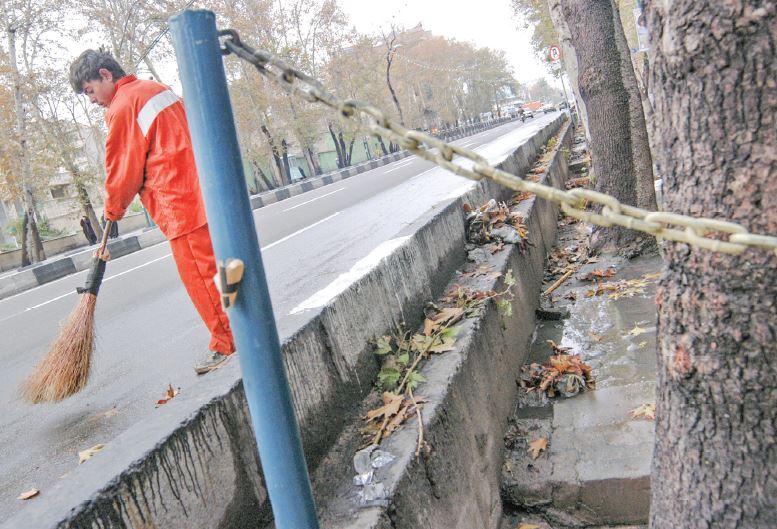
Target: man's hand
{"points": [[105, 255]]}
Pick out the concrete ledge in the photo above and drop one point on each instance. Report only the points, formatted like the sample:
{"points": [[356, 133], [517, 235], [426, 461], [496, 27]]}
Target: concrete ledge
{"points": [[193, 464], [470, 394]]}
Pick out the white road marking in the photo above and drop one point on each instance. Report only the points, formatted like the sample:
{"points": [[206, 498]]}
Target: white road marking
{"points": [[51, 283], [314, 199], [52, 300], [301, 231], [104, 281], [401, 166], [357, 271]]}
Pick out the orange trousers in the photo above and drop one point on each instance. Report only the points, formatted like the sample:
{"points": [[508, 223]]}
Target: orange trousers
{"points": [[193, 254]]}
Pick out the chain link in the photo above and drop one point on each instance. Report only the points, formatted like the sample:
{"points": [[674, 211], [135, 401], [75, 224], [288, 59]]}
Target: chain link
{"points": [[699, 232]]}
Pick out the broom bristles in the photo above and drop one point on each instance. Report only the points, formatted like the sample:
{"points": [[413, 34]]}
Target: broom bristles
{"points": [[64, 371]]}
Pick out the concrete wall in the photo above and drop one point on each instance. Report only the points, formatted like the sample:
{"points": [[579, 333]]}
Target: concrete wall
{"points": [[193, 464]]}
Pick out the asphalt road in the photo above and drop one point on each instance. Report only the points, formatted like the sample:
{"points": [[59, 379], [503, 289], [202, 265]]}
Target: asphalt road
{"points": [[148, 334]]}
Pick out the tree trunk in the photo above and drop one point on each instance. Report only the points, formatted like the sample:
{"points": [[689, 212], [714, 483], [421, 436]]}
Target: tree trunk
{"points": [[389, 60], [640, 146], [592, 33], [346, 155], [268, 183], [313, 160], [23, 236], [570, 61], [285, 158], [340, 157], [350, 151], [382, 146], [713, 75], [86, 205], [277, 156], [31, 234]]}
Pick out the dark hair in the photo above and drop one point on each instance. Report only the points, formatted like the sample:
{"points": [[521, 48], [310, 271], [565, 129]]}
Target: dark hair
{"points": [[87, 68]]}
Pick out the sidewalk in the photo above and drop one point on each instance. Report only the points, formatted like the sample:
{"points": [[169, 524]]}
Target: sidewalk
{"points": [[595, 469]]}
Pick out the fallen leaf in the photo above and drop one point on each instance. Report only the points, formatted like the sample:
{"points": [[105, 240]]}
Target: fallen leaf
{"points": [[445, 317], [595, 337], [637, 330], [169, 395], [557, 348], [85, 455], [646, 411], [111, 412], [383, 345], [29, 494], [651, 277], [537, 446], [391, 405], [528, 526], [642, 345], [598, 274]]}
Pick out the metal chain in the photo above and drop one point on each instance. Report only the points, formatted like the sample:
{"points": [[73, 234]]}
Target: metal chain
{"points": [[699, 232]]}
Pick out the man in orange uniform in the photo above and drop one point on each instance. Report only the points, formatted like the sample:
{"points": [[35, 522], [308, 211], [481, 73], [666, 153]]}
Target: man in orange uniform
{"points": [[148, 151]]}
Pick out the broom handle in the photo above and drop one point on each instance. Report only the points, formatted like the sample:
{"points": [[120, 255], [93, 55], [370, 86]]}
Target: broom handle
{"points": [[104, 242]]}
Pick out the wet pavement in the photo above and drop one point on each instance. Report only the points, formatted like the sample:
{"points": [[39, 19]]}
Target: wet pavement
{"points": [[596, 469]]}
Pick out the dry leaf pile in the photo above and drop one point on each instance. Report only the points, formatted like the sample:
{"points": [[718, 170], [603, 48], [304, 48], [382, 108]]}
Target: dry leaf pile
{"points": [[598, 274], [625, 288], [491, 215], [563, 373]]}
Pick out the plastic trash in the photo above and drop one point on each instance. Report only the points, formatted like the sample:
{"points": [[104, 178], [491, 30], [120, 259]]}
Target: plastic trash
{"points": [[373, 492], [362, 462], [363, 479], [381, 458]]}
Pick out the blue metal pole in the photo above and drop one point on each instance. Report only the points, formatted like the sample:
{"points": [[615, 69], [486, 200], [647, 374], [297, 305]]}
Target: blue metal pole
{"points": [[232, 229]]}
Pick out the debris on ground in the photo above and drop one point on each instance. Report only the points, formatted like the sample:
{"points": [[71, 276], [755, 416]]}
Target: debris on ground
{"points": [[29, 494]]}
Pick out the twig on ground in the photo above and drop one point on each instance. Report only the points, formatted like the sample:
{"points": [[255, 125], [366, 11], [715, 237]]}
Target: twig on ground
{"points": [[420, 423], [558, 283]]}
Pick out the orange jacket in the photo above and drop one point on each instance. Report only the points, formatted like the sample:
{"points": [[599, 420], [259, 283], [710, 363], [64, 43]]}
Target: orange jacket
{"points": [[149, 151]]}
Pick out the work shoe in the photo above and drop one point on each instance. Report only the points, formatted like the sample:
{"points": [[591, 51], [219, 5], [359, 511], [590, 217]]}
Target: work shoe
{"points": [[211, 361]]}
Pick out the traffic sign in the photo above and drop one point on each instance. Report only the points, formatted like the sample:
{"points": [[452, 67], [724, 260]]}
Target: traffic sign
{"points": [[554, 53]]}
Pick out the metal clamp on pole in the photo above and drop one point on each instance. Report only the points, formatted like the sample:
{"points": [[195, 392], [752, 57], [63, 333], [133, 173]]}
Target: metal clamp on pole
{"points": [[229, 275]]}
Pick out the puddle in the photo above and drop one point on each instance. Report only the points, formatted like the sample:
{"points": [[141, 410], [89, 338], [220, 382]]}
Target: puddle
{"points": [[616, 337]]}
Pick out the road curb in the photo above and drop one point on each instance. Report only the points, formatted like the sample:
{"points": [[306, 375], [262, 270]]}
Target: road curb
{"points": [[70, 263]]}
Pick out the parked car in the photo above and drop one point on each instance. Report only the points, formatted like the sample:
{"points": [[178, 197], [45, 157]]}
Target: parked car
{"points": [[548, 108], [562, 105], [527, 112]]}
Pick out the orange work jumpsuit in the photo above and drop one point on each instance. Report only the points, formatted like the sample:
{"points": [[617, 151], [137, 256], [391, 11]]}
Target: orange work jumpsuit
{"points": [[149, 152]]}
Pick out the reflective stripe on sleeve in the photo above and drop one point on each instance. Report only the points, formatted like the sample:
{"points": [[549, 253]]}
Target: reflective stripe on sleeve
{"points": [[153, 107]]}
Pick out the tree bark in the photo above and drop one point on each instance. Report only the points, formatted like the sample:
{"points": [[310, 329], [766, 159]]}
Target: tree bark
{"points": [[713, 81], [25, 261], [592, 34], [382, 146], [285, 158], [30, 232], [390, 51], [277, 157], [640, 146], [340, 157]]}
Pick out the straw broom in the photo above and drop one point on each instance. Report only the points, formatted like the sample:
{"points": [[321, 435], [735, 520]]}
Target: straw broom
{"points": [[64, 371]]}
